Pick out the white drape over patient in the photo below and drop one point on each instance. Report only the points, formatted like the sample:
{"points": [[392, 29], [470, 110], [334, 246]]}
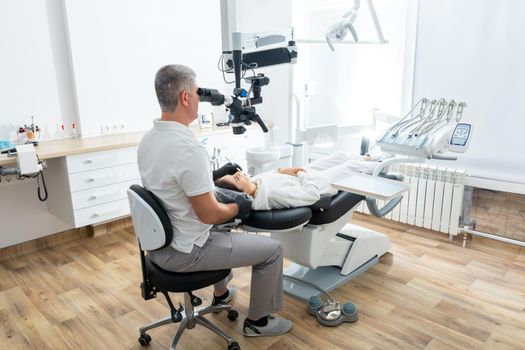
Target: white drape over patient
{"points": [[279, 191]]}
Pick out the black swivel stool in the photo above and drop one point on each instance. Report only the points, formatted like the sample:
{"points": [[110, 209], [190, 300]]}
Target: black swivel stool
{"points": [[154, 231]]}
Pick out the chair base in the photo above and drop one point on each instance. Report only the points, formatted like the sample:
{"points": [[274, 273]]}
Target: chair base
{"points": [[326, 277], [190, 318]]}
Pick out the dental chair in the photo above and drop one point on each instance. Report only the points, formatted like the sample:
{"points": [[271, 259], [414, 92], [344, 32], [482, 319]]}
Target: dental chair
{"points": [[154, 231], [327, 251]]}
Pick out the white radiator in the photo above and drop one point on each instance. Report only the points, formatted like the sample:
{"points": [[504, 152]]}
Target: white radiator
{"points": [[434, 200]]}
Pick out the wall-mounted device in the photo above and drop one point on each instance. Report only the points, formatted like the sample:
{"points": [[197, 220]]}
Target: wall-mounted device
{"points": [[28, 166], [240, 103]]}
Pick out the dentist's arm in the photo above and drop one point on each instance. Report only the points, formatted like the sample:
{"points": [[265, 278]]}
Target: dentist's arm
{"points": [[211, 212]]}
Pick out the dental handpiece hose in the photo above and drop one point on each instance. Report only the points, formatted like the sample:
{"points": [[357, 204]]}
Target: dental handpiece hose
{"points": [[9, 171], [293, 278]]}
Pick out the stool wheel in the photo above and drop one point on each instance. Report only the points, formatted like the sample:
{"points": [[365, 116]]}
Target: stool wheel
{"points": [[195, 300], [144, 339], [234, 346], [176, 315], [232, 315]]}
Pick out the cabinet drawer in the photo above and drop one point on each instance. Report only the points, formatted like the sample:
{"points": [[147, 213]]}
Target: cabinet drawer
{"points": [[103, 212], [103, 177], [99, 160], [101, 195]]}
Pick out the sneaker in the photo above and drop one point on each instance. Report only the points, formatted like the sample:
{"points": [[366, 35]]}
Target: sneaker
{"points": [[276, 326], [232, 292]]}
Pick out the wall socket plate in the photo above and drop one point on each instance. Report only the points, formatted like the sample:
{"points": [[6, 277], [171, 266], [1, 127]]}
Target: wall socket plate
{"points": [[105, 128], [113, 127]]}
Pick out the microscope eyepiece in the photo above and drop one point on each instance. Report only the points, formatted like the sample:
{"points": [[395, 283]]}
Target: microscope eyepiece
{"points": [[210, 95]]}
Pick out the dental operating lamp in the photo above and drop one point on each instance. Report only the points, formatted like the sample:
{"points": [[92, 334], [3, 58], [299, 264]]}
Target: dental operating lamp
{"points": [[237, 61], [337, 31]]}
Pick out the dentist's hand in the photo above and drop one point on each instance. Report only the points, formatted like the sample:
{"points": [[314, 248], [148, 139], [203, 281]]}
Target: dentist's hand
{"points": [[226, 169], [244, 202]]}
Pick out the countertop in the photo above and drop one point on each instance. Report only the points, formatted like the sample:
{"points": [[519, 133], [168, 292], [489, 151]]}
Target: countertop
{"points": [[66, 147]]}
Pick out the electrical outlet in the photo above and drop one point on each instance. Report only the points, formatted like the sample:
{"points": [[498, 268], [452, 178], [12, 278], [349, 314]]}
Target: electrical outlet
{"points": [[105, 128], [310, 88]]}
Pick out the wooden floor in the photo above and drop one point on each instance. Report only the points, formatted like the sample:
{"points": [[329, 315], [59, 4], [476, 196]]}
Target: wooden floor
{"points": [[427, 293]]}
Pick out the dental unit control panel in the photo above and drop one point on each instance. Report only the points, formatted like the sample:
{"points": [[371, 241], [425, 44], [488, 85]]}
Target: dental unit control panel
{"points": [[460, 139]]}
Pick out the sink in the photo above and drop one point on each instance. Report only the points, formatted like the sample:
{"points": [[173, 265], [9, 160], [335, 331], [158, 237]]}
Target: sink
{"points": [[262, 155]]}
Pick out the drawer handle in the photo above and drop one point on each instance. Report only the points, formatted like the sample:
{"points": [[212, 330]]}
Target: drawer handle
{"points": [[112, 159], [96, 196], [115, 176], [107, 212]]}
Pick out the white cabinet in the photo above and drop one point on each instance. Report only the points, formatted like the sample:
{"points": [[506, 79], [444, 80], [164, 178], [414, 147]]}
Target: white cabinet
{"points": [[102, 177], [100, 160], [97, 196], [90, 188], [102, 212]]}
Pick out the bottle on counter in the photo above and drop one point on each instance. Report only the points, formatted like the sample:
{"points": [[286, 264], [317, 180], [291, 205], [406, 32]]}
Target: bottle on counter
{"points": [[74, 131]]}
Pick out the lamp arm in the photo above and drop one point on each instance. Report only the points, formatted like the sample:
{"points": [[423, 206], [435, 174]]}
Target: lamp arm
{"points": [[375, 19]]}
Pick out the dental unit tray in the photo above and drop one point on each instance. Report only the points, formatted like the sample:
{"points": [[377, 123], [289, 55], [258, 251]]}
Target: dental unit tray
{"points": [[425, 131], [372, 186]]}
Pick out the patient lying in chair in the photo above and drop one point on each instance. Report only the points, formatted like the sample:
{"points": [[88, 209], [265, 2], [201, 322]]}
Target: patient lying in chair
{"points": [[299, 186]]}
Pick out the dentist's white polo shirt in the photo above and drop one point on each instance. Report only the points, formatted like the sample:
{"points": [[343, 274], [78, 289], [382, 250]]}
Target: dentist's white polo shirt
{"points": [[174, 165]]}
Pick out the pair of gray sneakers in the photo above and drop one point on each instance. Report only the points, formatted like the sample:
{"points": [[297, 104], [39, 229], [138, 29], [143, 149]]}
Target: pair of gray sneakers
{"points": [[276, 325]]}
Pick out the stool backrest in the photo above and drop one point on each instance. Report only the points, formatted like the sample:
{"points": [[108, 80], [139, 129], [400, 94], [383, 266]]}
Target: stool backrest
{"points": [[151, 222]]}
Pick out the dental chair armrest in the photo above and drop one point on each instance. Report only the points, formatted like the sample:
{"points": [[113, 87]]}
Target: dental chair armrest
{"points": [[322, 204]]}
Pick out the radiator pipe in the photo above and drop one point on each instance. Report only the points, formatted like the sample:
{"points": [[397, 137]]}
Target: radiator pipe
{"points": [[493, 236]]}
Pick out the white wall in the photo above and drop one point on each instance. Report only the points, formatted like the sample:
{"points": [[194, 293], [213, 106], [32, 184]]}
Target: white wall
{"points": [[23, 216], [261, 16], [117, 47], [355, 79], [474, 51], [34, 69]]}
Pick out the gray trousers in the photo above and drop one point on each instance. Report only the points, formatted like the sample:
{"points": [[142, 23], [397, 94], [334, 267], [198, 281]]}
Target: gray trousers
{"points": [[224, 250]]}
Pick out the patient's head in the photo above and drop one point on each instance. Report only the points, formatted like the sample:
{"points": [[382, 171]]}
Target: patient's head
{"points": [[238, 182]]}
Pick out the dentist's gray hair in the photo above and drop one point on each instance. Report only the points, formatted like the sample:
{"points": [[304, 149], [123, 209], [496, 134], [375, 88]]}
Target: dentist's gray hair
{"points": [[170, 81]]}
